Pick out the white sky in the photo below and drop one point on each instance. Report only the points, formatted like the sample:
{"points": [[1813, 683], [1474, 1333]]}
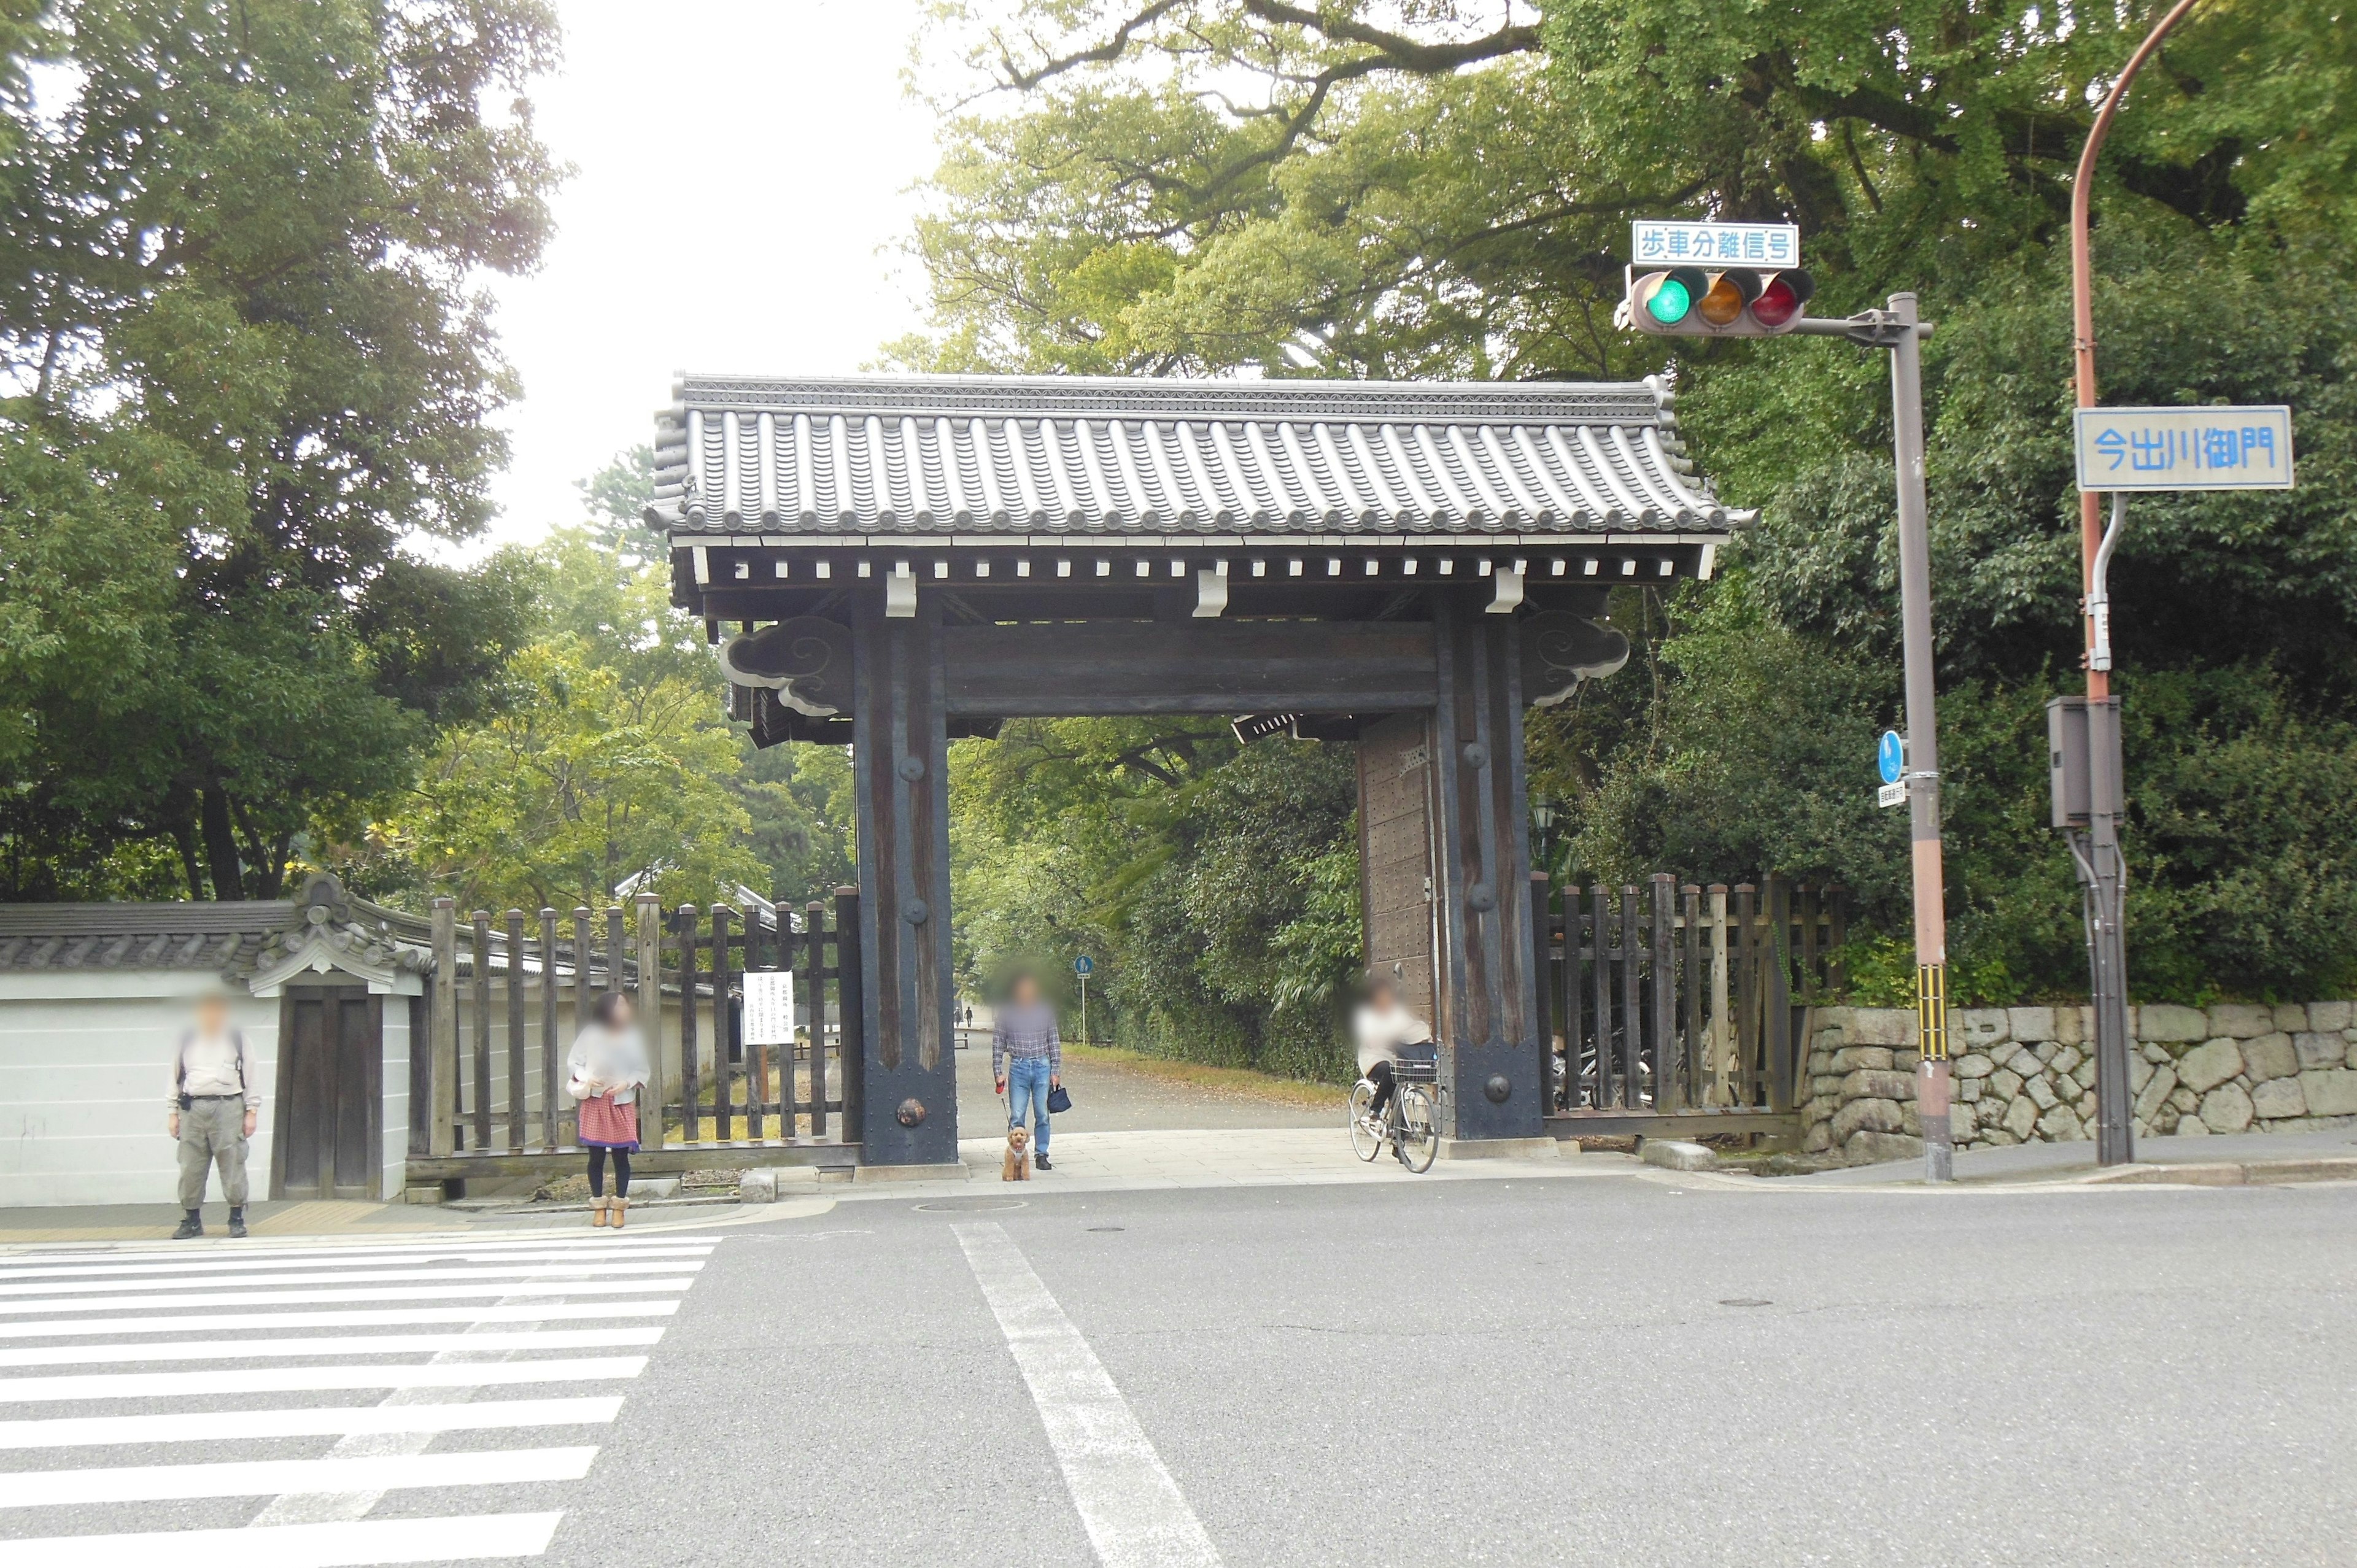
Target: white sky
{"points": [[742, 178]]}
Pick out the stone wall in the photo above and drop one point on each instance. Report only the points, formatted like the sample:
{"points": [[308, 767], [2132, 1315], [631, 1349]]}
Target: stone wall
{"points": [[2028, 1074]]}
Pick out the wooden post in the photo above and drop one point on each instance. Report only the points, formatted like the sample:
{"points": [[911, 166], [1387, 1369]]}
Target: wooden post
{"points": [[691, 1087], [1779, 1033], [1542, 956], [1836, 937], [1599, 901], [1746, 999], [519, 1085], [482, 924], [814, 917], [757, 1061], [584, 997], [1575, 1016], [1809, 912], [1632, 1005], [724, 1102], [1667, 1095], [442, 1029], [851, 1010], [552, 1065], [1697, 1048], [1722, 1017], [651, 1102]]}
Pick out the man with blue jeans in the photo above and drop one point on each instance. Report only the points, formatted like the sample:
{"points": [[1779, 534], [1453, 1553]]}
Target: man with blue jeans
{"points": [[1026, 1060]]}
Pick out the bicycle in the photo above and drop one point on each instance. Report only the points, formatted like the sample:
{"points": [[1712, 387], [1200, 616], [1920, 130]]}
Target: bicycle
{"points": [[1409, 1125]]}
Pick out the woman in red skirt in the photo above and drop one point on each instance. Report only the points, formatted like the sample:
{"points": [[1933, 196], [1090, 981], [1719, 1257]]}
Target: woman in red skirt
{"points": [[605, 1071]]}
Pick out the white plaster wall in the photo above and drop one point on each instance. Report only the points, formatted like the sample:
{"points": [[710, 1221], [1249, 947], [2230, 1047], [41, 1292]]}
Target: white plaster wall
{"points": [[84, 1081], [395, 1158]]}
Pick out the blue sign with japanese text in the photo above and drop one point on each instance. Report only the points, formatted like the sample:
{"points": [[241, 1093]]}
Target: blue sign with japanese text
{"points": [[2245, 448], [1671, 242]]}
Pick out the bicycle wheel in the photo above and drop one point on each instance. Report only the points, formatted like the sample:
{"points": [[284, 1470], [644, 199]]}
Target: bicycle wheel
{"points": [[1366, 1141], [1418, 1139]]}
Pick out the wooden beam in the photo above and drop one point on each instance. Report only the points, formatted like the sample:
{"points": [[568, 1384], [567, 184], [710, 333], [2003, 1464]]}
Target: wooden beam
{"points": [[1193, 667]]}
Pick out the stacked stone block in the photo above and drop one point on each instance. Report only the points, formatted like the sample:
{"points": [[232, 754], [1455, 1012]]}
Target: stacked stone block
{"points": [[2028, 1074]]}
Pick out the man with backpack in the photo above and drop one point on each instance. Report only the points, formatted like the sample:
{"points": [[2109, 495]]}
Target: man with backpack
{"points": [[216, 1100]]}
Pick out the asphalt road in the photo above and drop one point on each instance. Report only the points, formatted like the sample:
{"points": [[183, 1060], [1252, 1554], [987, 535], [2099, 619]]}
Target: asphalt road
{"points": [[1526, 1373], [1613, 1369]]}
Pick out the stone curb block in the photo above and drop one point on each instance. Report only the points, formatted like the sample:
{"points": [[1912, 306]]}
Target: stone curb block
{"points": [[1676, 1154]]}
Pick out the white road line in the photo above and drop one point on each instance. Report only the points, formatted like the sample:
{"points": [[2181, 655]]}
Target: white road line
{"points": [[318, 1298], [1131, 1509], [308, 1379], [240, 1264], [251, 1478], [300, 1545], [324, 1246], [530, 1272], [330, 1345], [335, 1420], [361, 1318]]}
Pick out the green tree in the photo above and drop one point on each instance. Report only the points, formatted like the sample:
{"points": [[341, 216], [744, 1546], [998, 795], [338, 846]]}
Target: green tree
{"points": [[236, 294]]}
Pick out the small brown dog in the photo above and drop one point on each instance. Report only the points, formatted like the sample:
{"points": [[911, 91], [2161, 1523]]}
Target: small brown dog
{"points": [[1017, 1166]]}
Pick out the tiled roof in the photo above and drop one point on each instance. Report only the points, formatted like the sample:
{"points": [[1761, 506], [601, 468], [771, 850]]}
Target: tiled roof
{"points": [[939, 454], [229, 938]]}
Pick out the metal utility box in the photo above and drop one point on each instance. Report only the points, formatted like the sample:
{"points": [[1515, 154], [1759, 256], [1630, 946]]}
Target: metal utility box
{"points": [[2070, 758]]}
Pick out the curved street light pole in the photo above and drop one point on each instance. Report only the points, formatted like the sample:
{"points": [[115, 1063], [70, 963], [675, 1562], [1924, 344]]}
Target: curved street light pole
{"points": [[2102, 873]]}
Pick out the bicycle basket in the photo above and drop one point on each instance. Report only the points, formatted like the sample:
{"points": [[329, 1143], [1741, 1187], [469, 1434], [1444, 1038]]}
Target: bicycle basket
{"points": [[1417, 1063]]}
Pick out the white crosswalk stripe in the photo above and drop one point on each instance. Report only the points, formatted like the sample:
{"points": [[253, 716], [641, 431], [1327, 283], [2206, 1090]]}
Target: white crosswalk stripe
{"points": [[457, 1316]]}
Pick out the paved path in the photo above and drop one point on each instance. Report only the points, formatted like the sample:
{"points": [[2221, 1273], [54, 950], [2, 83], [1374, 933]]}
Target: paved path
{"points": [[1108, 1097]]}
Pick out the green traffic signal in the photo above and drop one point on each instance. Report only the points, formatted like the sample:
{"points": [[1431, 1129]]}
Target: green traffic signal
{"points": [[1669, 302]]}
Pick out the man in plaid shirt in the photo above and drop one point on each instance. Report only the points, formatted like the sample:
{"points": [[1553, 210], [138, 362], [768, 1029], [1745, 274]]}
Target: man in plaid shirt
{"points": [[1026, 1060]]}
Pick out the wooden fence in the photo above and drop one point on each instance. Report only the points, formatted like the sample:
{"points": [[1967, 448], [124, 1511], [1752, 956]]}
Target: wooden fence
{"points": [[509, 994], [1669, 999]]}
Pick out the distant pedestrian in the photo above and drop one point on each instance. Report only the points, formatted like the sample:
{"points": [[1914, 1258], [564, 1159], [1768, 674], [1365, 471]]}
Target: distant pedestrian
{"points": [[1026, 1060], [216, 1100], [605, 1072]]}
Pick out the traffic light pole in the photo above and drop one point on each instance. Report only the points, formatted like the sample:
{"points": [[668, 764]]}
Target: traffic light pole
{"points": [[2102, 875], [1899, 330]]}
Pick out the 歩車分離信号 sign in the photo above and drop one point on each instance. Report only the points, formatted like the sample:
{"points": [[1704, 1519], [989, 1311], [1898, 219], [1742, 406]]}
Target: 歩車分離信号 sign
{"points": [[1672, 242]]}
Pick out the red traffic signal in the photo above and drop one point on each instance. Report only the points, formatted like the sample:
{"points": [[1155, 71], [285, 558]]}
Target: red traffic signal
{"points": [[1700, 302]]}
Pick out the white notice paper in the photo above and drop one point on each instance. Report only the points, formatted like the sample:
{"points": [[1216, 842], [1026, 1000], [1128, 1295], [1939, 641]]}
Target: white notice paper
{"points": [[769, 1007]]}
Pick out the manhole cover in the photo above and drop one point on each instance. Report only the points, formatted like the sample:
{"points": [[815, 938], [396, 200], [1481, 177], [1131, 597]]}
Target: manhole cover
{"points": [[971, 1206], [1744, 1301]]}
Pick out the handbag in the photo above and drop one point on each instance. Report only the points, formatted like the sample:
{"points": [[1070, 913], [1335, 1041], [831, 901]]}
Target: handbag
{"points": [[1058, 1101]]}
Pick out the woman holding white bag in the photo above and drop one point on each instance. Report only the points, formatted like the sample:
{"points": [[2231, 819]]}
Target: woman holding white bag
{"points": [[604, 1073]]}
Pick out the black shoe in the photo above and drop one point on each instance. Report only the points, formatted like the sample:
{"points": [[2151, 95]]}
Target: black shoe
{"points": [[194, 1225], [236, 1222], [1042, 1163]]}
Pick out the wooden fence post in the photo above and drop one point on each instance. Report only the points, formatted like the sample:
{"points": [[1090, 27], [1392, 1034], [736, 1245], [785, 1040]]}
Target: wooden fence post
{"points": [[1779, 1034], [691, 1069], [1633, 1006], [1721, 1091], [1542, 956], [1746, 1074], [650, 1104], [518, 1090], [1665, 994], [442, 1019], [552, 1065], [1836, 937], [1575, 1016], [814, 919], [851, 1003], [1698, 1049], [1599, 907], [482, 925]]}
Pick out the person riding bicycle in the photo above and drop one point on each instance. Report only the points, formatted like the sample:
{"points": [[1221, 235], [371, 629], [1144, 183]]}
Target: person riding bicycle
{"points": [[1381, 1026]]}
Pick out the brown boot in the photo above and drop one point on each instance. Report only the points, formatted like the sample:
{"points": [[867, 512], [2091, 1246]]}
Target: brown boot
{"points": [[597, 1211], [621, 1206]]}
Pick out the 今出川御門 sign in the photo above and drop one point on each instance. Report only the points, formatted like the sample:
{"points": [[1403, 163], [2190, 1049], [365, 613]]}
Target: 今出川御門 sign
{"points": [[2243, 449]]}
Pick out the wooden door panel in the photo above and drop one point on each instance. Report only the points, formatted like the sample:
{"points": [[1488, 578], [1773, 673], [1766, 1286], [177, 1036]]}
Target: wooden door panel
{"points": [[358, 1058], [332, 1094]]}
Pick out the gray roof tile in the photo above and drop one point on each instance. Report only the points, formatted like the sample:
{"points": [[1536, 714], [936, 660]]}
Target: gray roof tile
{"points": [[937, 455]]}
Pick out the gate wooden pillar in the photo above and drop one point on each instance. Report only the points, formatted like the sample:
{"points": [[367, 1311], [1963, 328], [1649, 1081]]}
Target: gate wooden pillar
{"points": [[900, 767], [1492, 1059]]}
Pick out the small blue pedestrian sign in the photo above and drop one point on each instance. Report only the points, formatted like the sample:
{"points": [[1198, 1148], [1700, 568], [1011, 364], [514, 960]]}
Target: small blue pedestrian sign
{"points": [[1084, 964], [1891, 754]]}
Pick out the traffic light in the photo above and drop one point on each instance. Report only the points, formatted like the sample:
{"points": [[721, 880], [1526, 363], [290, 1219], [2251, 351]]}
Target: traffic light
{"points": [[1701, 302]]}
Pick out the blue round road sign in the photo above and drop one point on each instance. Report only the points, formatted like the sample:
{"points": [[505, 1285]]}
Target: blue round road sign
{"points": [[1084, 964], [1892, 754]]}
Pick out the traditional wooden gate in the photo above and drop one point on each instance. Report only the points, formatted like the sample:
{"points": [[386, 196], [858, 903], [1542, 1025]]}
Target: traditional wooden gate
{"points": [[899, 561], [507, 994]]}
